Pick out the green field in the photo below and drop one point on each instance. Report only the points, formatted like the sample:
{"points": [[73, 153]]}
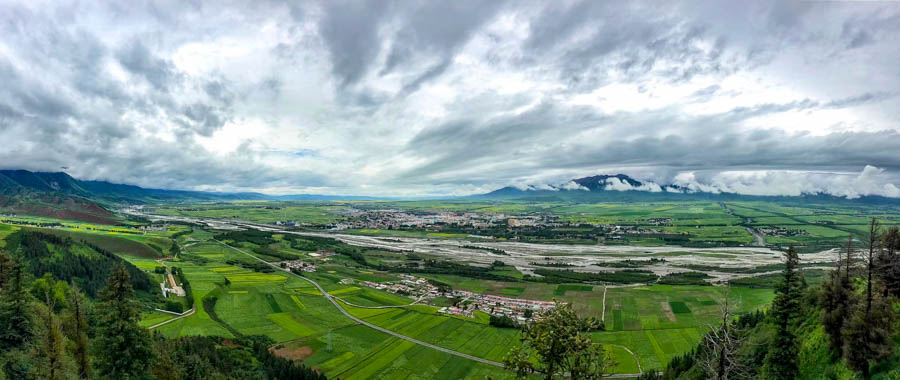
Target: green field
{"points": [[287, 309], [260, 211], [660, 322], [656, 323]]}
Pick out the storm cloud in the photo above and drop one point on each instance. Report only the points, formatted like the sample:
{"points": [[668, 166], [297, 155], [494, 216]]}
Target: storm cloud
{"points": [[448, 98]]}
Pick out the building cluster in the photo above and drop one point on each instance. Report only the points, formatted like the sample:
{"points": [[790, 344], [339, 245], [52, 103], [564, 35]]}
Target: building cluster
{"points": [[322, 253], [778, 231], [519, 309], [298, 265], [153, 228], [174, 288], [398, 219], [412, 286]]}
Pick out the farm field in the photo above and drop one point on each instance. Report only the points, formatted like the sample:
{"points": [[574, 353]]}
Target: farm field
{"points": [[655, 322], [290, 310], [261, 211], [660, 322]]}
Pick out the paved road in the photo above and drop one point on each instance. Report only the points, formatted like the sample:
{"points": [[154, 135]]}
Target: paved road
{"points": [[367, 324], [188, 314]]}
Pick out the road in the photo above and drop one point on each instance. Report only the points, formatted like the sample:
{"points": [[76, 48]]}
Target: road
{"points": [[330, 298], [760, 238], [580, 257], [340, 308], [188, 314], [337, 305]]}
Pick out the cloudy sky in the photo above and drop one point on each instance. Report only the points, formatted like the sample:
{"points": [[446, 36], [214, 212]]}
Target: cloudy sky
{"points": [[454, 97]]}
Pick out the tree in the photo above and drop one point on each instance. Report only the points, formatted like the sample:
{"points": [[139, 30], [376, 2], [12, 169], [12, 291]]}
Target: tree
{"points": [[16, 319], [873, 241], [868, 335], [889, 262], [6, 263], [50, 354], [123, 348], [719, 353], [559, 344], [76, 328], [53, 293], [781, 360], [836, 301]]}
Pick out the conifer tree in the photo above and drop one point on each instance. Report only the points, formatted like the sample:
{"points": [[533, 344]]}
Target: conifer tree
{"points": [[50, 355], [873, 242], [76, 328], [889, 262], [6, 264], [123, 349], [836, 301], [16, 319], [868, 335], [781, 360]]}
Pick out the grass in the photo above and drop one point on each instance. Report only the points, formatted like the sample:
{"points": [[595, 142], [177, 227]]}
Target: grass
{"points": [[563, 288], [660, 322]]}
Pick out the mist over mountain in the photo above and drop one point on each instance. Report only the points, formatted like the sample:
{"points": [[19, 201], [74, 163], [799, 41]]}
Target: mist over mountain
{"points": [[621, 187]]}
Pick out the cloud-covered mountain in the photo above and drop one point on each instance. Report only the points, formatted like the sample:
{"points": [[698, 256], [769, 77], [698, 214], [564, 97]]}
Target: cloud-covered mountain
{"points": [[869, 184]]}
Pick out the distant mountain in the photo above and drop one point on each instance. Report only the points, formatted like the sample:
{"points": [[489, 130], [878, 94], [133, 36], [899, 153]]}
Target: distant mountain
{"points": [[58, 195], [22, 181], [622, 188]]}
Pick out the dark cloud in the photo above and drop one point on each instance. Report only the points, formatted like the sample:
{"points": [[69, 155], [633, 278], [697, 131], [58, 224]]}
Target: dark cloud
{"points": [[417, 97], [350, 30]]}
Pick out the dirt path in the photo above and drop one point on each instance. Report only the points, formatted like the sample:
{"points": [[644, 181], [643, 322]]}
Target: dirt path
{"points": [[377, 307], [760, 238], [603, 312]]}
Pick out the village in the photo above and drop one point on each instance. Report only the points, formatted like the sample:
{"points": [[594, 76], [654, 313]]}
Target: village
{"points": [[466, 302]]}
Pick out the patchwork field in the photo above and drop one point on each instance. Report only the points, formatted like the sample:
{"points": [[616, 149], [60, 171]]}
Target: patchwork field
{"points": [[660, 322], [288, 309]]}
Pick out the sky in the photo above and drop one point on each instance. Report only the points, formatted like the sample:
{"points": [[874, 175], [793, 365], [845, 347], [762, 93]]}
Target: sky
{"points": [[434, 98]]}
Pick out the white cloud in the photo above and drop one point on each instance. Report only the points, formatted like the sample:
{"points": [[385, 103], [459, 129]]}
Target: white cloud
{"points": [[572, 185], [869, 181], [619, 185]]}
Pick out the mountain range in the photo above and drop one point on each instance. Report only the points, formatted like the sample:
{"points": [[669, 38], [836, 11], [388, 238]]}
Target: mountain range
{"points": [[59, 195]]}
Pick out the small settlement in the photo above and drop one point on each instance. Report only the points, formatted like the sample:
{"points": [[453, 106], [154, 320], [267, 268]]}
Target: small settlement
{"points": [[522, 310]]}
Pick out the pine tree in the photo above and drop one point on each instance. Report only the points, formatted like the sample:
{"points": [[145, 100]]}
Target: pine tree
{"points": [[872, 245], [868, 335], [16, 319], [781, 360], [889, 262], [50, 355], [76, 329], [836, 301], [6, 264], [123, 349]]}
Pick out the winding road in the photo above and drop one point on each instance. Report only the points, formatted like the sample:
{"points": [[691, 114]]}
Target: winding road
{"points": [[330, 298], [343, 311]]}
